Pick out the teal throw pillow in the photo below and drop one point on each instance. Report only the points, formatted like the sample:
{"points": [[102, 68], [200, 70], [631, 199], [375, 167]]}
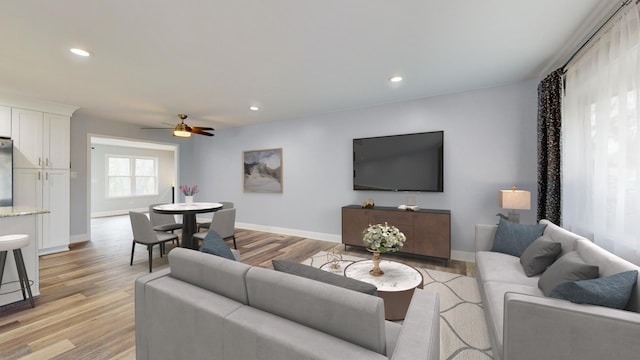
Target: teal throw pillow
{"points": [[214, 244], [611, 291], [514, 239]]}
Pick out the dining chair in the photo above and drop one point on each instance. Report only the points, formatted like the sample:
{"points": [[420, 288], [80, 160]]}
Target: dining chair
{"points": [[144, 234], [164, 222], [225, 205], [223, 223]]}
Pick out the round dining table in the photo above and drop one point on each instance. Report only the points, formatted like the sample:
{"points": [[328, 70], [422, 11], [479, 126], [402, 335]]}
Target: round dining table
{"points": [[188, 212]]}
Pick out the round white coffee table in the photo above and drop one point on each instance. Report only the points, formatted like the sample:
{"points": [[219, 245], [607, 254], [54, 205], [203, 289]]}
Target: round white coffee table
{"points": [[396, 286]]}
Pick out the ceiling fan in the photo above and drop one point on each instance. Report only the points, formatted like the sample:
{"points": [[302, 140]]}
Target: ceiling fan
{"points": [[184, 130]]}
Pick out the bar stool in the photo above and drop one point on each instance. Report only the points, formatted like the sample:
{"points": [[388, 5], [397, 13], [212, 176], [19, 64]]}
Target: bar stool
{"points": [[16, 243]]}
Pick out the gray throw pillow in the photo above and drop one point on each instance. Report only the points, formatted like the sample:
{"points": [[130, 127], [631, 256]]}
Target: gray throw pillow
{"points": [[513, 239], [323, 276], [611, 291], [539, 255], [569, 267], [214, 244]]}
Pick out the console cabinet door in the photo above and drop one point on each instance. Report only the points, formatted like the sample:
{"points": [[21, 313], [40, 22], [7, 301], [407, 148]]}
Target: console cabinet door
{"points": [[433, 234], [401, 219], [354, 221]]}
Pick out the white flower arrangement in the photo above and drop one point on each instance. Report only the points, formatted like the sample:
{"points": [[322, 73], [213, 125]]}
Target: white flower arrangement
{"points": [[383, 238]]}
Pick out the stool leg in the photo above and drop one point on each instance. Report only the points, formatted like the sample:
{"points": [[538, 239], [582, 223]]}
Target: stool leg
{"points": [[3, 259], [22, 274]]}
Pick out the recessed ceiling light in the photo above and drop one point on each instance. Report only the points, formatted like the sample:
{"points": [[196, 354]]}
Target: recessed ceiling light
{"points": [[254, 108], [395, 79], [80, 52]]}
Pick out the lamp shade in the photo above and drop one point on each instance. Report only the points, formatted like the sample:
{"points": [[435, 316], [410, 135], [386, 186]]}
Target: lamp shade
{"points": [[515, 199], [181, 130]]}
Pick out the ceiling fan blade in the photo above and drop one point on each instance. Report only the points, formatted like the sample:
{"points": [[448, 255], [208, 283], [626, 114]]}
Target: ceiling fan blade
{"points": [[155, 128], [202, 128], [200, 132]]}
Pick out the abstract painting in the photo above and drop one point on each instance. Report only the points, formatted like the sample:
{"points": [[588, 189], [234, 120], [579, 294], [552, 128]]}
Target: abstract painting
{"points": [[262, 170]]}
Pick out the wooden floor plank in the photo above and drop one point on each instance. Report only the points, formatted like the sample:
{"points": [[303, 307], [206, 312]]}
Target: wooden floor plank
{"points": [[86, 306]]}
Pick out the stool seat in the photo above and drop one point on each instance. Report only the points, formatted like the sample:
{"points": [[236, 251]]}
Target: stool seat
{"points": [[15, 243], [11, 242]]}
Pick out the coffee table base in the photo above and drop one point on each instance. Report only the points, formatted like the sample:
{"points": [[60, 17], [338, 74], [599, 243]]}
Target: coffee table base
{"points": [[396, 303]]}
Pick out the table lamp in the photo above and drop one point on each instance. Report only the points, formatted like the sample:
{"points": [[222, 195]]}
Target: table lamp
{"points": [[513, 200]]}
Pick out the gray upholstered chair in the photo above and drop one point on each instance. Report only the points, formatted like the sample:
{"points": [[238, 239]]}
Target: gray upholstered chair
{"points": [[225, 205], [144, 234], [223, 223], [164, 222]]}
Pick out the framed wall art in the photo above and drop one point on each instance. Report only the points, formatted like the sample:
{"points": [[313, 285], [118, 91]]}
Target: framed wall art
{"points": [[262, 170]]}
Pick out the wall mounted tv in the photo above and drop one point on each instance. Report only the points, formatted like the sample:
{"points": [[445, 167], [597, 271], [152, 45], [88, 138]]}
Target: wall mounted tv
{"points": [[409, 162]]}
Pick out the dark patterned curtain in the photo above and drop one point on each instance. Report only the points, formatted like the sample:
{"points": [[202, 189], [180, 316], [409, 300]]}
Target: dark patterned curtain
{"points": [[549, 125]]}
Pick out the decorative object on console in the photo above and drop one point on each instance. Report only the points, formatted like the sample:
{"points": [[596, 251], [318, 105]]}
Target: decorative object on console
{"points": [[409, 207], [513, 200], [382, 238], [368, 204]]}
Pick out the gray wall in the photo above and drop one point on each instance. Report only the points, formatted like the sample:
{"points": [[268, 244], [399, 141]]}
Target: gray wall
{"points": [[81, 128], [490, 144], [102, 205]]}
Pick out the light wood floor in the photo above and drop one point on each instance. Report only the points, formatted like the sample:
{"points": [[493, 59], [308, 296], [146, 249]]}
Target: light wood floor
{"points": [[85, 308]]}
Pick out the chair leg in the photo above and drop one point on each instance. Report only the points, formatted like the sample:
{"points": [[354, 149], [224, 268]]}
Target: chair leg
{"points": [[161, 249], [3, 258], [133, 247], [234, 242], [22, 275], [150, 249]]}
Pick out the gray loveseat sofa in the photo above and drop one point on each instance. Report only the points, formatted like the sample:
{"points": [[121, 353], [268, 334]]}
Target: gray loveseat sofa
{"points": [[208, 307], [524, 324]]}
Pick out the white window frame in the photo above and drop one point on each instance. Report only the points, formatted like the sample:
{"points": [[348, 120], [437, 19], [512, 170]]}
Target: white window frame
{"points": [[132, 159]]}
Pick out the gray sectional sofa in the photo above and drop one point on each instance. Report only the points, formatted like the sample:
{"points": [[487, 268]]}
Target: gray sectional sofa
{"points": [[524, 324], [208, 307]]}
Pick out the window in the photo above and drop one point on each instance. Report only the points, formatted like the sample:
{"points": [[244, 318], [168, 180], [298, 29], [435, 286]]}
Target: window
{"points": [[600, 142], [131, 176]]}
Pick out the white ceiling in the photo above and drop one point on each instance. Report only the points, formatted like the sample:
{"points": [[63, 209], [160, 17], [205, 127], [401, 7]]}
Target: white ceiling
{"points": [[153, 59]]}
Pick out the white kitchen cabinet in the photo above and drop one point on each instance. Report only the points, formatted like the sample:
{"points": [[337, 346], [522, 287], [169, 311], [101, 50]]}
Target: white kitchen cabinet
{"points": [[46, 189], [5, 121], [41, 140]]}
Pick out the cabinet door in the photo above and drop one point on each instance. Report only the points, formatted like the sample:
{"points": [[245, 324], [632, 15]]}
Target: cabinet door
{"points": [[403, 220], [5, 121], [55, 225], [27, 187], [26, 131], [56, 141], [433, 235], [354, 221]]}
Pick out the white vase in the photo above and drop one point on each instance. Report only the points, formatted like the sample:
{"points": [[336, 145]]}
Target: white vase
{"points": [[188, 199]]}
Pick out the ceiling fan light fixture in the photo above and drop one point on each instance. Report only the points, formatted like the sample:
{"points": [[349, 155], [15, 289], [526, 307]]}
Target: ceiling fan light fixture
{"points": [[181, 131], [80, 52]]}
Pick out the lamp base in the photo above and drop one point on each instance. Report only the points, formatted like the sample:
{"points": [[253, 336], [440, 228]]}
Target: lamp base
{"points": [[514, 216]]}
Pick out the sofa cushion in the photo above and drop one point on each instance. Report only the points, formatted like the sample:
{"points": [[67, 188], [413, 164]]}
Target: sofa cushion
{"points": [[569, 267], [611, 291], [493, 266], [215, 245], [513, 239], [349, 315], [213, 273], [310, 272], [539, 255]]}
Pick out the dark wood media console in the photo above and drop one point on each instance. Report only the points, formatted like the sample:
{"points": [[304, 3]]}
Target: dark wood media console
{"points": [[428, 232]]}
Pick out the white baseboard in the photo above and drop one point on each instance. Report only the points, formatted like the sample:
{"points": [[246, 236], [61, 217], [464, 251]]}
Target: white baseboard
{"points": [[79, 238], [99, 214], [53, 250], [292, 232], [463, 256]]}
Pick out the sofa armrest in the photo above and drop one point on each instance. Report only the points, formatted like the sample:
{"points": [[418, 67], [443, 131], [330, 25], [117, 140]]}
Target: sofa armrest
{"points": [[140, 318], [484, 236], [546, 328], [419, 337]]}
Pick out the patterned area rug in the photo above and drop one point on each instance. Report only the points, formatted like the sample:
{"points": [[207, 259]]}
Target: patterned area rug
{"points": [[463, 330]]}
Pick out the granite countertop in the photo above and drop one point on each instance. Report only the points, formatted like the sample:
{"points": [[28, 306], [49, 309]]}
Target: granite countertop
{"points": [[9, 211]]}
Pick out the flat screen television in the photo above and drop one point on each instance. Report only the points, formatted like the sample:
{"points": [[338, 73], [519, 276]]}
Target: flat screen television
{"points": [[409, 162]]}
